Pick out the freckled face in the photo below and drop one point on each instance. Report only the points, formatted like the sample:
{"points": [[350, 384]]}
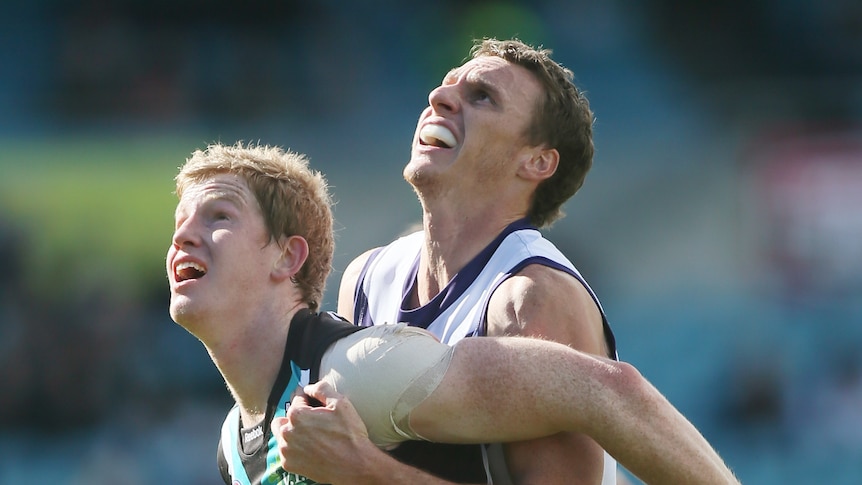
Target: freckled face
{"points": [[220, 257]]}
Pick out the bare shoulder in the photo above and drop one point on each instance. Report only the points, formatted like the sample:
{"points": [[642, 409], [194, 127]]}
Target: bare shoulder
{"points": [[541, 301], [347, 288]]}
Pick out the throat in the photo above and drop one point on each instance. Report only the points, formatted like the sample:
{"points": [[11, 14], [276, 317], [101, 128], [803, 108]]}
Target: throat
{"points": [[252, 417]]}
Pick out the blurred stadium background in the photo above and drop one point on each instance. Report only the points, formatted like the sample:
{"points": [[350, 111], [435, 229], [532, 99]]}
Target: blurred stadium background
{"points": [[721, 224]]}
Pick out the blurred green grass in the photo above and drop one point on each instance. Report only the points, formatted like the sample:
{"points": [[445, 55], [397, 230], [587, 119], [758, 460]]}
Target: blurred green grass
{"points": [[91, 212]]}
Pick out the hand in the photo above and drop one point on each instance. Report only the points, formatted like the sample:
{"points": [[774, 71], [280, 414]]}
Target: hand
{"points": [[326, 443]]}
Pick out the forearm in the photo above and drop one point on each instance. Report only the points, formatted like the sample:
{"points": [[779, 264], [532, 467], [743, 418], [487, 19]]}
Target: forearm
{"points": [[651, 438], [633, 421], [549, 387]]}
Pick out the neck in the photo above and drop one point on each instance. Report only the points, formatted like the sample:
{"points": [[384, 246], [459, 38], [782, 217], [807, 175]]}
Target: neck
{"points": [[250, 360], [452, 239]]}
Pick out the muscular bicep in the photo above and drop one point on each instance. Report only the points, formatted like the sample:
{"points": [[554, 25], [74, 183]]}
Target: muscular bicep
{"points": [[547, 303]]}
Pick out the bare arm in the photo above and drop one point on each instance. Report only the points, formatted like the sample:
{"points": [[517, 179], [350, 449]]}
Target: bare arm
{"points": [[609, 401], [347, 289], [553, 388], [546, 303]]}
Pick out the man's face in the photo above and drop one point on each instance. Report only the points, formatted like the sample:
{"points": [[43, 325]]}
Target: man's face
{"points": [[472, 134], [220, 257]]}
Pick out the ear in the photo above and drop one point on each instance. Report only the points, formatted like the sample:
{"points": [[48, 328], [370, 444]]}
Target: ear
{"points": [[294, 252], [541, 165]]}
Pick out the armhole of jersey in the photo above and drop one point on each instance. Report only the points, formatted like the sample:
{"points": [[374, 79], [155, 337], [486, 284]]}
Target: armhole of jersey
{"points": [[223, 467], [482, 328], [229, 442], [360, 297]]}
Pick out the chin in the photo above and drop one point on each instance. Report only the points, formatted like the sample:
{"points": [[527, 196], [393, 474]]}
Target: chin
{"points": [[425, 182], [418, 171], [181, 313]]}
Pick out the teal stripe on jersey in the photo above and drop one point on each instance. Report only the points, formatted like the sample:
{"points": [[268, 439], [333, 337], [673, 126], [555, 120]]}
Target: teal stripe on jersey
{"points": [[237, 471], [274, 474]]}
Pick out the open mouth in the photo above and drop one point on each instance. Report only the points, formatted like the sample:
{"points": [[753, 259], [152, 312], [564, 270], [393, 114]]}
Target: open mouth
{"points": [[189, 271], [436, 135]]}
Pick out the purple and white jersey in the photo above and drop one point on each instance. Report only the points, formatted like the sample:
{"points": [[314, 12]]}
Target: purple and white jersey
{"points": [[388, 279]]}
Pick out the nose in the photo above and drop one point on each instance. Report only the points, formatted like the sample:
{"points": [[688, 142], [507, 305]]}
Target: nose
{"points": [[444, 98], [185, 234]]}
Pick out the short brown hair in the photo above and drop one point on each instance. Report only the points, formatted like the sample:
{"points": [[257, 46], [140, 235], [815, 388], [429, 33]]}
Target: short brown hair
{"points": [[562, 120], [293, 199]]}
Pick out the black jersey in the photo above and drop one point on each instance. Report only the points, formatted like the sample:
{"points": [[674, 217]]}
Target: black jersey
{"points": [[247, 455]]}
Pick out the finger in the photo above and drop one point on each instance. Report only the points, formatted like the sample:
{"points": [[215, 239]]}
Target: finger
{"points": [[323, 392], [277, 426], [300, 400], [298, 404]]}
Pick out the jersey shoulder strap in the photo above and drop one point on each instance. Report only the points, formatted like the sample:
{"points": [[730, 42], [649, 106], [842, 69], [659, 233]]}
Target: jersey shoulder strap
{"points": [[311, 334]]}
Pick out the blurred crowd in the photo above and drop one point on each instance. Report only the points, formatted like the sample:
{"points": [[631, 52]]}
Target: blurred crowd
{"points": [[762, 355]]}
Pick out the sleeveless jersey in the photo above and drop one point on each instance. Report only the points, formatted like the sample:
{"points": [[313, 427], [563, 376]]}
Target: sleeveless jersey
{"points": [[248, 456], [382, 295]]}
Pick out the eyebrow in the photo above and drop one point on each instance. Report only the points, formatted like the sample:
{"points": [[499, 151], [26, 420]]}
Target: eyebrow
{"points": [[475, 81], [452, 72], [492, 89], [232, 196]]}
